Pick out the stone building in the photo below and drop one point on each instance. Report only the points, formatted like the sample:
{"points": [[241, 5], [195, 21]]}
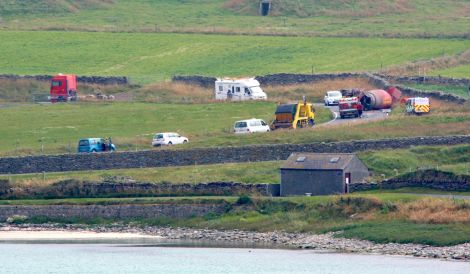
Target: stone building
{"points": [[321, 173]]}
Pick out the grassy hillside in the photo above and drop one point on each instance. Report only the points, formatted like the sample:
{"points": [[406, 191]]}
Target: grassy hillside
{"points": [[456, 72], [153, 57], [13, 8], [320, 17], [131, 125]]}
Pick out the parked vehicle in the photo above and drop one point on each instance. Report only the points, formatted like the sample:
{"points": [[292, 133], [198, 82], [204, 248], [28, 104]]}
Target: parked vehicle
{"points": [[250, 126], [90, 145], [63, 88], [168, 139], [350, 107], [332, 97], [239, 89], [418, 105], [294, 116]]}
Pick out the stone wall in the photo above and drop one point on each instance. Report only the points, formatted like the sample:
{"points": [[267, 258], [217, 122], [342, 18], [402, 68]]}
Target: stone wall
{"points": [[202, 156], [203, 81], [101, 80], [435, 80], [382, 82], [291, 79], [118, 188], [434, 179], [124, 211]]}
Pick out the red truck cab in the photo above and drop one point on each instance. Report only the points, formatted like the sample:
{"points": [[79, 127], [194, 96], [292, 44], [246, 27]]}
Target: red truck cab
{"points": [[63, 88], [350, 106]]}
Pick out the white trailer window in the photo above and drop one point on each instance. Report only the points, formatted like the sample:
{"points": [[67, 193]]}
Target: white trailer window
{"points": [[221, 88]]}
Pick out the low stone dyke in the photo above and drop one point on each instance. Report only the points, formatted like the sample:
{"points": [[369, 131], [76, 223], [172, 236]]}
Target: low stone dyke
{"points": [[121, 211], [100, 80], [116, 188], [205, 156], [381, 81], [291, 79], [203, 81], [435, 80], [434, 179]]}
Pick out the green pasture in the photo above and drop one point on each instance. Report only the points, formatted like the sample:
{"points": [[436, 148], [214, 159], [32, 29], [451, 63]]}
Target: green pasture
{"points": [[56, 128], [149, 57], [462, 71], [457, 90], [302, 17]]}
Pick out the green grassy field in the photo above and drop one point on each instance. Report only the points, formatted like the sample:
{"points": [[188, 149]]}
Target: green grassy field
{"points": [[131, 125], [457, 90], [302, 17], [25, 128], [154, 57], [456, 72]]}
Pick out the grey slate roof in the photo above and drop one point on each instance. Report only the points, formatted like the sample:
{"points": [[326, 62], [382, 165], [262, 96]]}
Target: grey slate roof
{"points": [[318, 161]]}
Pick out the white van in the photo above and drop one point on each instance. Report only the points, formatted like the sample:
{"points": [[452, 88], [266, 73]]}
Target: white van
{"points": [[239, 89], [250, 126]]}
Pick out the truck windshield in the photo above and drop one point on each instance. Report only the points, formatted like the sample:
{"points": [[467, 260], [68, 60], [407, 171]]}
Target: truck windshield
{"points": [[256, 90], [56, 83], [83, 143], [334, 94], [240, 124]]}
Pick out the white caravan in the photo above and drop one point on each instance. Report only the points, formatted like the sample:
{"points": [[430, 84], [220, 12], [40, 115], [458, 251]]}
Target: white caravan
{"points": [[238, 89]]}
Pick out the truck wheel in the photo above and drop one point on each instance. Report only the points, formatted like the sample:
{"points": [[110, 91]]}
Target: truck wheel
{"points": [[93, 151], [170, 143]]}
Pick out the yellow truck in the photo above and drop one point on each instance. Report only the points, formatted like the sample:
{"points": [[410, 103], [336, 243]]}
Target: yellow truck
{"points": [[418, 105], [294, 116]]}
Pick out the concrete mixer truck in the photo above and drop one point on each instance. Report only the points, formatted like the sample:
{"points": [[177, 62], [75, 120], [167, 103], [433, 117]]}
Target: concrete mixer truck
{"points": [[376, 99]]}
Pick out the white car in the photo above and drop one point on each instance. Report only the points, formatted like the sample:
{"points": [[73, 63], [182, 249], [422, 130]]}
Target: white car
{"points": [[332, 97], [250, 126], [168, 139]]}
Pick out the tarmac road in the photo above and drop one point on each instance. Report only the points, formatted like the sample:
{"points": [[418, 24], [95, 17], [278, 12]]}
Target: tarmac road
{"points": [[366, 115]]}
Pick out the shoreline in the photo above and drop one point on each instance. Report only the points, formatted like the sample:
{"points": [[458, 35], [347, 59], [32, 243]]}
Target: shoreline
{"points": [[320, 242]]}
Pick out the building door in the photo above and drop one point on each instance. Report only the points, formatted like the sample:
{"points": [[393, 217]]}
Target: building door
{"points": [[347, 181]]}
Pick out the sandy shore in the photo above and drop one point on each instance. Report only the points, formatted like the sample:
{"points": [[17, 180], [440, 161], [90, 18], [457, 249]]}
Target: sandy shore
{"points": [[28, 235]]}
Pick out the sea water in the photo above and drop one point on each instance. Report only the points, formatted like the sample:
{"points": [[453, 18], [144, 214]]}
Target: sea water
{"points": [[116, 258]]}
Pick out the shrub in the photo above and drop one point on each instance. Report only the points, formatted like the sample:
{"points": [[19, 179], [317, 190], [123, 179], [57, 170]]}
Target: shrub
{"points": [[244, 200]]}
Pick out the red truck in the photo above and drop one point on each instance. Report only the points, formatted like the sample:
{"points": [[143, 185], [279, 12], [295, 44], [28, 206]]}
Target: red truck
{"points": [[350, 107], [63, 88]]}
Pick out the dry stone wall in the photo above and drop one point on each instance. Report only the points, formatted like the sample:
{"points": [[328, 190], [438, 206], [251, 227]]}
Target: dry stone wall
{"points": [[101, 80], [203, 156], [434, 179], [124, 211], [117, 188], [381, 81]]}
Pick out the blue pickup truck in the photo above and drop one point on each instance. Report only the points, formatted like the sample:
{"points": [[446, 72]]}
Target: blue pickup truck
{"points": [[91, 145]]}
